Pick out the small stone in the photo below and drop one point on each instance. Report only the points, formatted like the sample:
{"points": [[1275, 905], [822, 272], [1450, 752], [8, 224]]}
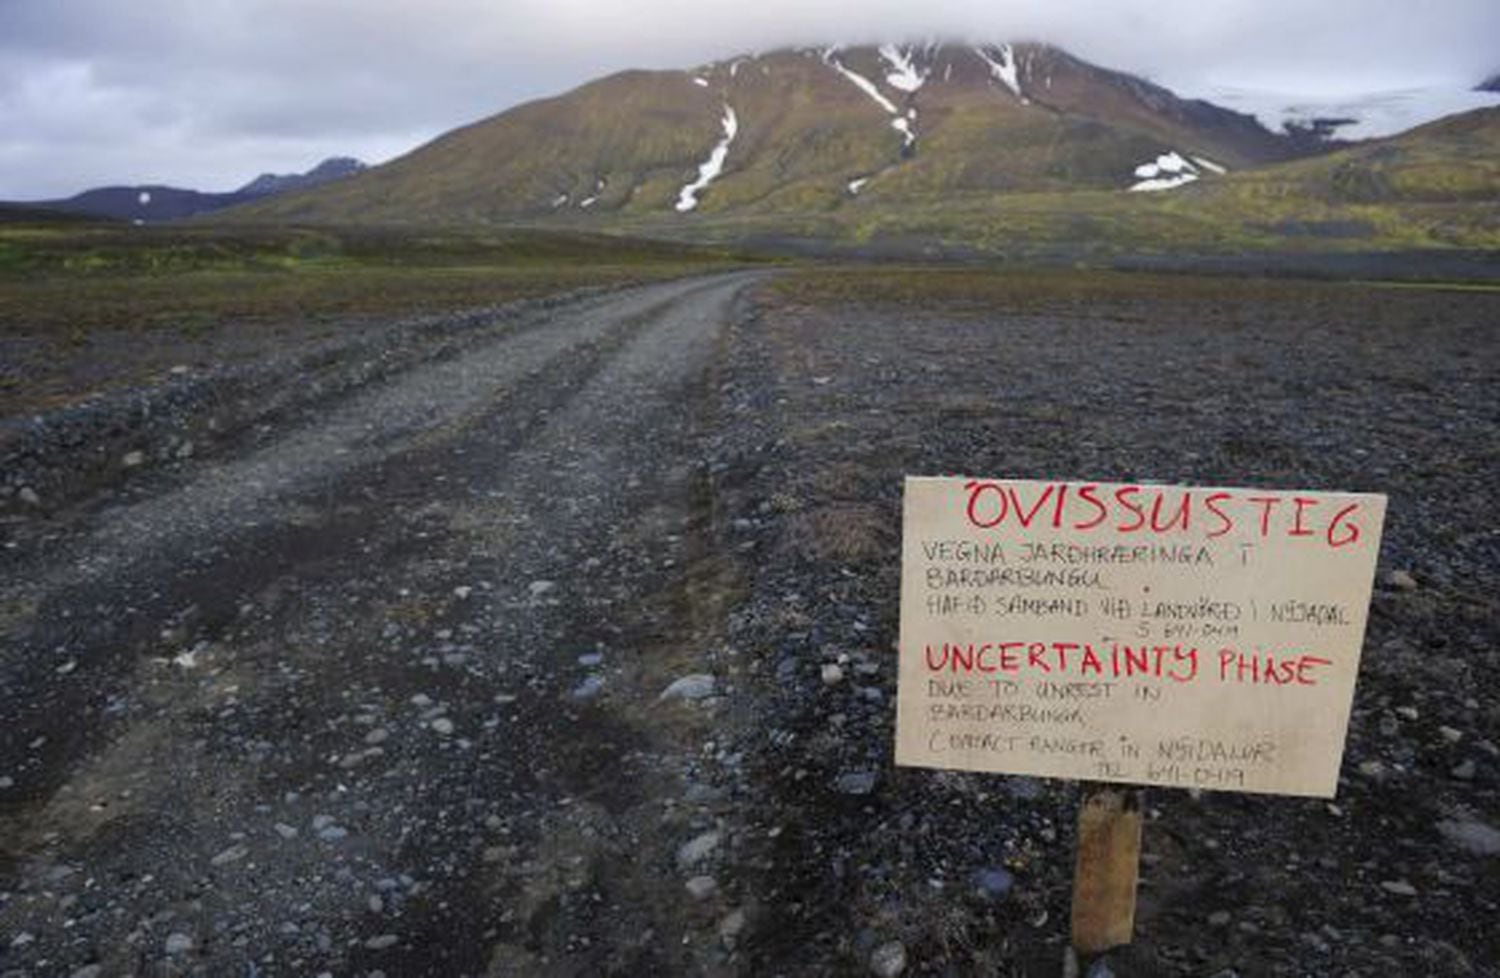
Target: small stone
{"points": [[888, 960], [539, 588], [1100, 969], [1475, 837], [321, 822], [1219, 918], [375, 903], [66, 667], [233, 854], [88, 971], [462, 591], [702, 887], [1399, 888], [284, 830], [731, 927], [855, 782], [333, 833], [1464, 770], [442, 725], [1373, 770], [22, 939], [993, 882], [1450, 734], [590, 660], [591, 687], [29, 497], [698, 686], [421, 700], [698, 849], [7, 782], [833, 674], [377, 736], [382, 942], [178, 943], [1402, 580], [133, 459]]}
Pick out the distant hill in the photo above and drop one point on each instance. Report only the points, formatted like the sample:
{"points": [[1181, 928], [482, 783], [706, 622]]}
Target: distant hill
{"points": [[333, 168], [1491, 84], [805, 130], [153, 203]]}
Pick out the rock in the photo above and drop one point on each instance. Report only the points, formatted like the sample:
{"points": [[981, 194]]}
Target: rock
{"points": [[1374, 770], [462, 591], [1451, 735], [381, 942], [855, 782], [1475, 837], [993, 882], [29, 497], [442, 725], [591, 687], [888, 960], [376, 903], [730, 928], [377, 736], [833, 674], [698, 849], [284, 830], [698, 686], [321, 822], [538, 588], [22, 939], [1402, 580], [178, 943], [1219, 918], [133, 459], [590, 660], [88, 971], [1464, 770], [66, 667], [233, 854], [7, 782], [1399, 888], [1100, 969], [702, 887]]}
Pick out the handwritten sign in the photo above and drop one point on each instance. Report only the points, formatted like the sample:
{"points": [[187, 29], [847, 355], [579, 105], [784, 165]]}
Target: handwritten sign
{"points": [[1161, 635]]}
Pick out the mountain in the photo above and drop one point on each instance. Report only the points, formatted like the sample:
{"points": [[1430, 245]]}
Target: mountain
{"points": [[154, 203], [1490, 84], [333, 168], [1455, 160], [805, 130]]}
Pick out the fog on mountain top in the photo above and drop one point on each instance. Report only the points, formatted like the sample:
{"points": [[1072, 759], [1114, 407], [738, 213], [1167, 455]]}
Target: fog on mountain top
{"points": [[175, 92]]}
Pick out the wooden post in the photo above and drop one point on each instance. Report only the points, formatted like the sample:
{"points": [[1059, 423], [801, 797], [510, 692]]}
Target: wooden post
{"points": [[1104, 878]]}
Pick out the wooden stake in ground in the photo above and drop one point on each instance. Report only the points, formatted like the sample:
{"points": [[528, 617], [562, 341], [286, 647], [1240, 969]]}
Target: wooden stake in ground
{"points": [[1104, 879]]}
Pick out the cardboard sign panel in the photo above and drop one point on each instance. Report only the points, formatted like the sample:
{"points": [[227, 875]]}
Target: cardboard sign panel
{"points": [[1161, 635]]}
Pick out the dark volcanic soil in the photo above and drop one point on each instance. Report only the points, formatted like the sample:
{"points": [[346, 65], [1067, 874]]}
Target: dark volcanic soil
{"points": [[380, 690]]}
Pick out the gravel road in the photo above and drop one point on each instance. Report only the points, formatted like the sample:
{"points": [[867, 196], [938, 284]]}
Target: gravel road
{"points": [[563, 644], [381, 692]]}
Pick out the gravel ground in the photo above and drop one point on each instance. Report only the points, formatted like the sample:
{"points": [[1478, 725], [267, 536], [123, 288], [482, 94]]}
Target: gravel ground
{"points": [[517, 659]]}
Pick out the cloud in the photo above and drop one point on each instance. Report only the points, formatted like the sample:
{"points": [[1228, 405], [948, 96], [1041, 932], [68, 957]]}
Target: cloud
{"points": [[210, 94]]}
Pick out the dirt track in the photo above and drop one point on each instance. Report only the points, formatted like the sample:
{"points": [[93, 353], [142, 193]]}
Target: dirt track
{"points": [[379, 690]]}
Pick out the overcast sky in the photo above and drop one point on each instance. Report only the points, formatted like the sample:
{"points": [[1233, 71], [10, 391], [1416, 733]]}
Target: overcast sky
{"points": [[209, 93]]}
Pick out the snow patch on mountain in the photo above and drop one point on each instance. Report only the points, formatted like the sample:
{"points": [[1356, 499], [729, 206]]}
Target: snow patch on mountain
{"points": [[687, 198], [903, 75], [1004, 68], [901, 124], [700, 81], [1167, 172], [856, 185], [860, 81], [1210, 165], [1368, 116]]}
